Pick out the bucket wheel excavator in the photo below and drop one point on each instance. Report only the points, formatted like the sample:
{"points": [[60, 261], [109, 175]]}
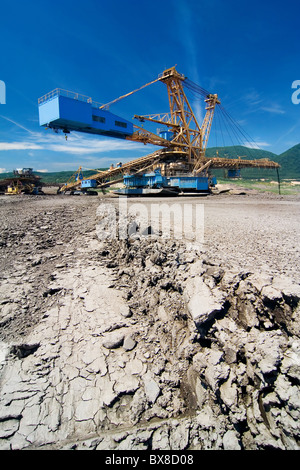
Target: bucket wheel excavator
{"points": [[179, 165]]}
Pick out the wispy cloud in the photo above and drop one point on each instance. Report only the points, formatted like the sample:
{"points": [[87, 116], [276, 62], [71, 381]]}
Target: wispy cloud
{"points": [[19, 146], [81, 145], [273, 108], [16, 124], [253, 98], [255, 102], [256, 145], [75, 144], [289, 131]]}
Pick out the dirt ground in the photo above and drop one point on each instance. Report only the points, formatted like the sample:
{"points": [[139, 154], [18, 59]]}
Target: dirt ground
{"points": [[40, 234], [188, 339]]}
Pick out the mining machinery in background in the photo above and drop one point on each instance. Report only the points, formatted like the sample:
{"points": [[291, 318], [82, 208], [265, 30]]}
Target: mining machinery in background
{"points": [[23, 181], [179, 166]]}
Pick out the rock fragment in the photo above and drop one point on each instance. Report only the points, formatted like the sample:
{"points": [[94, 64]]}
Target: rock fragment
{"points": [[203, 303], [230, 441], [129, 343], [152, 389], [113, 340]]}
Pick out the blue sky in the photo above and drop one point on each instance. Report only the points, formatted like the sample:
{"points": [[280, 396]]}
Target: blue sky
{"points": [[247, 52]]}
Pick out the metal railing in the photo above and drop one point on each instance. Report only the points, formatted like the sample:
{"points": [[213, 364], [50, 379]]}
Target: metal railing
{"points": [[69, 94]]}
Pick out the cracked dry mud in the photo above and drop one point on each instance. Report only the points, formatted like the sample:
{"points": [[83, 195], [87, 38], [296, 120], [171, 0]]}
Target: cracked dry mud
{"points": [[149, 342]]}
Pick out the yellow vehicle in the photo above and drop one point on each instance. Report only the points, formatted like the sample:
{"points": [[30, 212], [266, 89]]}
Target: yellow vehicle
{"points": [[14, 188]]}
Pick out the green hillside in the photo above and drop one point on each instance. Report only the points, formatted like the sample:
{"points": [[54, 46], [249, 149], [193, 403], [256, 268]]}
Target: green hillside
{"points": [[62, 177], [289, 161], [248, 154], [239, 151], [58, 177]]}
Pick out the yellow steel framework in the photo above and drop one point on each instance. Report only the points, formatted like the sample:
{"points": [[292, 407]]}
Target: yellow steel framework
{"points": [[187, 133], [189, 139]]}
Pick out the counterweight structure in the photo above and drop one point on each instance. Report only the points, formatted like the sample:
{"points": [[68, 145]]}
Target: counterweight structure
{"points": [[183, 143]]}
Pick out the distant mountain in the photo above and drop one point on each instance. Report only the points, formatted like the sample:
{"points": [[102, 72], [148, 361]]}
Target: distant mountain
{"points": [[240, 151], [56, 178], [61, 177], [288, 160]]}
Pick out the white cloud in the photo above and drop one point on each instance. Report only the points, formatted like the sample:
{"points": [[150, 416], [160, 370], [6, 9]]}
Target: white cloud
{"points": [[256, 145], [86, 146], [3, 170], [19, 146], [256, 102], [51, 150], [275, 109], [292, 129], [253, 98], [75, 144]]}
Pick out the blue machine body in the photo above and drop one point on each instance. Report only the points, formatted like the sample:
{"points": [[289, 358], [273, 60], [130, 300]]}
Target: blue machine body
{"points": [[154, 179], [168, 135], [85, 184], [196, 183], [71, 114], [179, 183], [234, 173]]}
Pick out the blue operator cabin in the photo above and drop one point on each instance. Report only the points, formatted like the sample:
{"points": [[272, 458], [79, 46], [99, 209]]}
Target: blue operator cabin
{"points": [[68, 111]]}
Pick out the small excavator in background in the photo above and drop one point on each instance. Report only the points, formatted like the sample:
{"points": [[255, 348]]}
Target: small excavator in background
{"points": [[23, 181]]}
